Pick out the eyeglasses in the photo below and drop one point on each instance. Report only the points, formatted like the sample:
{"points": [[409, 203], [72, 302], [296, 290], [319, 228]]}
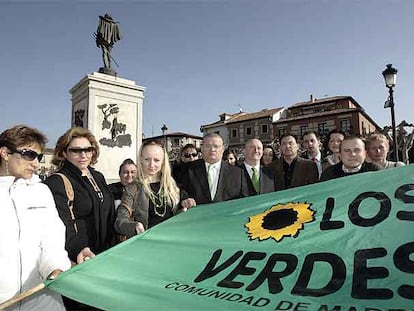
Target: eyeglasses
{"points": [[189, 155], [212, 147], [28, 155], [78, 151]]}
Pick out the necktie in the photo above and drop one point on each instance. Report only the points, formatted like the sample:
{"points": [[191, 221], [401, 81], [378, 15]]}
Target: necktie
{"points": [[314, 159], [255, 180], [210, 174]]}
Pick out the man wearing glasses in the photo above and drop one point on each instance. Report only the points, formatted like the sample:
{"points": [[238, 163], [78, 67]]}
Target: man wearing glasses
{"points": [[210, 179]]}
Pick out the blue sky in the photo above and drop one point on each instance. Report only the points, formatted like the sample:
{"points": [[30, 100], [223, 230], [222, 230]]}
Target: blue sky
{"points": [[199, 59]]}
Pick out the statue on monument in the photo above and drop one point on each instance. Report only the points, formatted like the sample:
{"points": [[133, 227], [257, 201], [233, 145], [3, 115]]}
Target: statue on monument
{"points": [[106, 35]]}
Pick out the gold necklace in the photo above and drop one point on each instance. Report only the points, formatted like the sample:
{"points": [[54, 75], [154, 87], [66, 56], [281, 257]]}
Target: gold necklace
{"points": [[95, 186], [158, 201]]}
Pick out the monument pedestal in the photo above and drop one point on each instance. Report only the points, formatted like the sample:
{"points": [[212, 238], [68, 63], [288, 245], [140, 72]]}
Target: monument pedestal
{"points": [[111, 108]]}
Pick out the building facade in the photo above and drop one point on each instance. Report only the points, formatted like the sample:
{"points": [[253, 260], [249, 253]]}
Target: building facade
{"points": [[237, 128], [323, 115]]}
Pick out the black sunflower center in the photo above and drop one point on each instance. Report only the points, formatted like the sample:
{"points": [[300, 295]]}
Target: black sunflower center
{"points": [[279, 219]]}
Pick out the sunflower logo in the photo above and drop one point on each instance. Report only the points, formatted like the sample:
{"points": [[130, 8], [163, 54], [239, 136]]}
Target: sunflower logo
{"points": [[279, 221]]}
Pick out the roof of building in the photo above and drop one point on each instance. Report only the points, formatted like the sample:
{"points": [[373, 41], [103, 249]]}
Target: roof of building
{"points": [[243, 116], [316, 101], [174, 134], [320, 114], [264, 113]]}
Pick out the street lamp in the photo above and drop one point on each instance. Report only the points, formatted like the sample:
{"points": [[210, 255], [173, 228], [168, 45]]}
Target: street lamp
{"points": [[390, 77], [164, 130]]}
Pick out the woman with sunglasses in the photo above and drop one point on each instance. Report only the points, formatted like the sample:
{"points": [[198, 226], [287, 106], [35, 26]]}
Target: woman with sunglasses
{"points": [[89, 220], [154, 197], [32, 237], [188, 153]]}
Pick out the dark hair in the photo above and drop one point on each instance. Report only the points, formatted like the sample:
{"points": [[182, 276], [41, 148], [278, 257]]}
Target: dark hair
{"points": [[227, 152], [125, 162], [274, 157], [288, 135], [188, 146], [310, 132], [328, 138], [20, 135]]}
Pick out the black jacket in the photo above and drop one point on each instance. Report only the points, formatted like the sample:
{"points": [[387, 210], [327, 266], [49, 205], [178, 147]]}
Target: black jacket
{"points": [[335, 171], [232, 183], [94, 218]]}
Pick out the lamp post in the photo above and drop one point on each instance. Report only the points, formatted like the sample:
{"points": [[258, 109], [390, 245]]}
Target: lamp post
{"points": [[390, 77], [164, 130]]}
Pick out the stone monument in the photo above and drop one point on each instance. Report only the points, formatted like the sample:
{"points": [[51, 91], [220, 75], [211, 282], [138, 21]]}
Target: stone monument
{"points": [[111, 108]]}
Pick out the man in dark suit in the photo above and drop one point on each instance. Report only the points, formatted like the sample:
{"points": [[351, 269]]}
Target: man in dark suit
{"points": [[260, 179], [353, 156], [311, 142], [291, 170], [210, 179]]}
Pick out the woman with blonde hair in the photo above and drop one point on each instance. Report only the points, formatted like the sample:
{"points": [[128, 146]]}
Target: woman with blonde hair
{"points": [[154, 197]]}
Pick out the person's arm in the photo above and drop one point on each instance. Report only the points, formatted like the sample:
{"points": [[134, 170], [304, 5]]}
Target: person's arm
{"points": [[124, 223], [54, 258], [76, 233]]}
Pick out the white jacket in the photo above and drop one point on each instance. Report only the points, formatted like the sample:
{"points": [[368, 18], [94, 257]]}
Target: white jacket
{"points": [[32, 242]]}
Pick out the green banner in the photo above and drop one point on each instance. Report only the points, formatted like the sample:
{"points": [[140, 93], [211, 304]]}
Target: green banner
{"points": [[346, 244]]}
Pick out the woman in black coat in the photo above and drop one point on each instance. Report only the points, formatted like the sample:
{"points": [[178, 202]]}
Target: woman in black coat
{"points": [[90, 220]]}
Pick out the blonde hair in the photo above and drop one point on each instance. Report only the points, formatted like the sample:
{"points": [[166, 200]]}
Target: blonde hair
{"points": [[64, 141], [168, 186], [376, 137]]}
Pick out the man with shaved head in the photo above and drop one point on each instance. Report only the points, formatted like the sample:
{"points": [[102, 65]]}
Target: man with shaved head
{"points": [[260, 179]]}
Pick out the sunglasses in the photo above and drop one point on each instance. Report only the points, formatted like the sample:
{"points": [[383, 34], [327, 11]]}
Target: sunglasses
{"points": [[28, 155], [189, 155], [80, 150]]}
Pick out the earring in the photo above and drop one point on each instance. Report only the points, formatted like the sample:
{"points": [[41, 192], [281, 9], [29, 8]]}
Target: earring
{"points": [[7, 167]]}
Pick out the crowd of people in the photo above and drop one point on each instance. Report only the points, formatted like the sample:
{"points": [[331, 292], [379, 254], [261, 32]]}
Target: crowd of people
{"points": [[47, 227]]}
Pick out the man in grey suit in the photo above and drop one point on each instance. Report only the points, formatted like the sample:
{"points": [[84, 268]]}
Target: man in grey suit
{"points": [[260, 179], [210, 179], [291, 170]]}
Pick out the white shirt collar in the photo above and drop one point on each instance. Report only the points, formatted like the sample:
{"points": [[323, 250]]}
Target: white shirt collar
{"points": [[352, 170], [216, 165]]}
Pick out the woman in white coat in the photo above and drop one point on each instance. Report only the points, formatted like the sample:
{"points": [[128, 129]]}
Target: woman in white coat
{"points": [[32, 236]]}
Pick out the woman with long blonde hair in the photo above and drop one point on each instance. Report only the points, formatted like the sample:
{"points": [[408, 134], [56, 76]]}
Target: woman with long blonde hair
{"points": [[154, 197]]}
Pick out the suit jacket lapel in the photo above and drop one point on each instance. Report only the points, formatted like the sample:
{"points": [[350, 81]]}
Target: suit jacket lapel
{"points": [[202, 172], [220, 183]]}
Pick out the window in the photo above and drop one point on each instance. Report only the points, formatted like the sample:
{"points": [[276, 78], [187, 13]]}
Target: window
{"points": [[176, 142], [323, 129], [303, 129], [345, 125], [249, 131], [265, 129], [234, 133], [282, 131]]}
